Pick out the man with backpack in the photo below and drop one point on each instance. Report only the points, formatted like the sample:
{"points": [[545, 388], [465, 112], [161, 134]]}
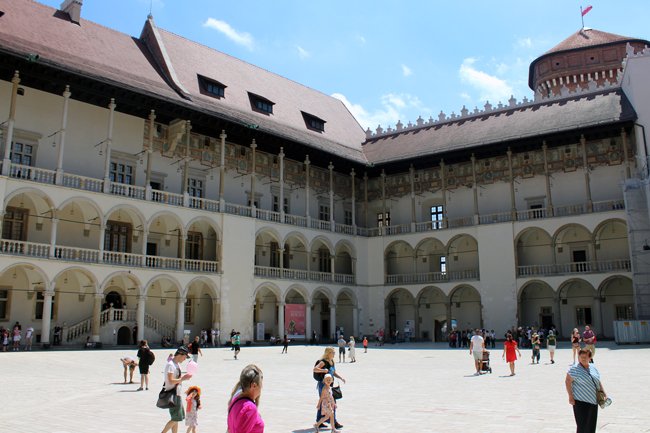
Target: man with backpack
{"points": [[147, 358]]}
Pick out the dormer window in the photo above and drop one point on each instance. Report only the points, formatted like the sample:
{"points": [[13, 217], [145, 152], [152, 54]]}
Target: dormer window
{"points": [[260, 104], [211, 87], [314, 123]]}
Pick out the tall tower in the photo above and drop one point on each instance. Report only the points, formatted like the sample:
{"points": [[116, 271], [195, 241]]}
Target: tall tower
{"points": [[587, 55]]}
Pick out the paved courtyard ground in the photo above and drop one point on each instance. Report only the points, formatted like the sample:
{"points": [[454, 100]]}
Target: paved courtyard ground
{"points": [[402, 388]]}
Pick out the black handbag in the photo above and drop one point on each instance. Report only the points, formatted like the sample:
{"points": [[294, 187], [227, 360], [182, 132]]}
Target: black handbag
{"points": [[166, 399], [336, 392]]}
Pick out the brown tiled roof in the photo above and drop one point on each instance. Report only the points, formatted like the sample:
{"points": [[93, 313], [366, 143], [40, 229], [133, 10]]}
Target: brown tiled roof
{"points": [[512, 124], [586, 37], [110, 56]]}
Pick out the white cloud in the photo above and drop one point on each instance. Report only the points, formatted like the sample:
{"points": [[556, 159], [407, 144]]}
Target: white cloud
{"points": [[302, 53], [394, 107], [490, 87], [465, 95], [361, 40], [525, 42], [406, 71], [240, 38]]}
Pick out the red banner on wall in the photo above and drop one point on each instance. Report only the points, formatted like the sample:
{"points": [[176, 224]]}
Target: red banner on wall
{"points": [[294, 320]]}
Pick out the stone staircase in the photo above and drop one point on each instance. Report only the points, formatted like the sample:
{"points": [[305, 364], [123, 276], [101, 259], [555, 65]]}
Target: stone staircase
{"points": [[115, 318]]}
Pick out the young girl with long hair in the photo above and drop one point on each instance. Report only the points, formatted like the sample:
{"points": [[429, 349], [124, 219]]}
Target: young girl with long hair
{"points": [[326, 404], [193, 400]]}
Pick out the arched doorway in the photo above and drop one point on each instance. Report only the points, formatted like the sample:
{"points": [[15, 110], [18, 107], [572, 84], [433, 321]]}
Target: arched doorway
{"points": [[345, 305], [616, 302], [578, 306], [113, 299], [400, 312], [466, 307], [124, 336], [320, 316], [537, 305], [265, 317], [431, 323]]}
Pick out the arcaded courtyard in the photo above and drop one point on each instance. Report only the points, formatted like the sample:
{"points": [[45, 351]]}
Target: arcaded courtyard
{"points": [[397, 388]]}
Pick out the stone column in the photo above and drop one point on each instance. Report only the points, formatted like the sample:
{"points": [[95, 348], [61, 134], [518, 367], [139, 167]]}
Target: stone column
{"points": [[332, 320], [585, 166], [147, 182], [222, 170], [383, 202], [449, 318], [215, 314], [330, 167], [281, 319], [6, 162], [102, 234], [513, 206], [353, 210], [475, 190], [55, 224], [558, 317], [547, 175], [308, 329], [186, 165], [46, 322], [109, 146], [281, 162], [253, 170], [443, 182], [307, 162], [597, 316], [139, 316], [412, 181], [626, 162], [355, 321], [365, 199], [145, 238], [95, 325], [64, 124], [332, 265], [182, 239], [180, 318]]}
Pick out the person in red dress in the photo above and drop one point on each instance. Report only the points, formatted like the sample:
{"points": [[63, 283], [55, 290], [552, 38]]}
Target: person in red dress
{"points": [[510, 351]]}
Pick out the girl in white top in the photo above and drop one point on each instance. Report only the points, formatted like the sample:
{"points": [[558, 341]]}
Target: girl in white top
{"points": [[353, 352]]}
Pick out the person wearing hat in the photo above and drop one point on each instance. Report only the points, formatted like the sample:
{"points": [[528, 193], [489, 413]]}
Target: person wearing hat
{"points": [[551, 343], [535, 343], [174, 380]]}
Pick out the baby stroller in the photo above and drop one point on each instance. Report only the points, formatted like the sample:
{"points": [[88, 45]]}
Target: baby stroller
{"points": [[485, 363]]}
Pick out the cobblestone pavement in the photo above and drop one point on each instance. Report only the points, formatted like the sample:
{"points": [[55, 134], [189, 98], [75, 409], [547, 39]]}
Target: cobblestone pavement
{"points": [[398, 388]]}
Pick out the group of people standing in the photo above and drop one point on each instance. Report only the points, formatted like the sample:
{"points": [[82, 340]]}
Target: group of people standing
{"points": [[12, 338], [461, 338]]}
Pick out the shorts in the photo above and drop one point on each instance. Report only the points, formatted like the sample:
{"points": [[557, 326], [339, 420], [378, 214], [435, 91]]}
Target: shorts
{"points": [[478, 355], [551, 348], [177, 413], [341, 350], [237, 347], [144, 368]]}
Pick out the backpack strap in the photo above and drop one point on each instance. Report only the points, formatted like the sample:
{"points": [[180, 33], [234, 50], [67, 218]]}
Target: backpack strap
{"points": [[238, 400]]}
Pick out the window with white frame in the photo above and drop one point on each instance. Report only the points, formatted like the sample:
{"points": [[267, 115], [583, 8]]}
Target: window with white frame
{"points": [[383, 219], [195, 187], [324, 212], [437, 217], [22, 153], [122, 172]]}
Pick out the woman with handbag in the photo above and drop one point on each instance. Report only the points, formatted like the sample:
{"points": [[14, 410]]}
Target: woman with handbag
{"points": [[323, 367], [585, 391], [173, 382]]}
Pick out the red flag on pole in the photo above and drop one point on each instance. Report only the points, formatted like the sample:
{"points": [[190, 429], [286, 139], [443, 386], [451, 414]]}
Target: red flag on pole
{"points": [[586, 10]]}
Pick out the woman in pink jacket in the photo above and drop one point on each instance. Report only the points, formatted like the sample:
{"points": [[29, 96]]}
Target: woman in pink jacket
{"points": [[243, 416]]}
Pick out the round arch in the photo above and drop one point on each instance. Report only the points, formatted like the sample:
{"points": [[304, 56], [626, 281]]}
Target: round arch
{"points": [[431, 323], [321, 240], [400, 311], [133, 212], [537, 305], [466, 307], [27, 192], [611, 242], [430, 256], [266, 297], [296, 252], [399, 257], [534, 246], [322, 300], [616, 296], [578, 305], [462, 254]]}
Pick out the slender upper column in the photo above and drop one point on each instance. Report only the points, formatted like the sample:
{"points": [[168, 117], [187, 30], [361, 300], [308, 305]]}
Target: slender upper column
{"points": [[6, 162], [109, 146], [513, 205], [180, 318], [547, 176], [222, 168], [330, 167], [147, 181], [307, 162], [412, 182], [95, 324], [308, 321], [253, 170], [332, 321], [383, 202], [64, 124], [139, 317], [353, 210], [585, 166], [281, 161], [55, 225], [281, 319]]}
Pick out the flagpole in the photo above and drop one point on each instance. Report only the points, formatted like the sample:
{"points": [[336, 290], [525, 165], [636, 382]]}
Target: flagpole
{"points": [[582, 18]]}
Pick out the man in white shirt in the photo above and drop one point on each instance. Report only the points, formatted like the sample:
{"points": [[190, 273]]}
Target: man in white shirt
{"points": [[476, 348]]}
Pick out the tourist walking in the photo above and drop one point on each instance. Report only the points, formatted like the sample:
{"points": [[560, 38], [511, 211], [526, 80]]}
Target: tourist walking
{"points": [[342, 345], [285, 344], [145, 359], [589, 338], [193, 401], [582, 383], [326, 366], [536, 345], [195, 349], [243, 416], [476, 348], [236, 343], [232, 334], [575, 343], [510, 351], [551, 344], [353, 351], [326, 404], [174, 380], [365, 345], [29, 335]]}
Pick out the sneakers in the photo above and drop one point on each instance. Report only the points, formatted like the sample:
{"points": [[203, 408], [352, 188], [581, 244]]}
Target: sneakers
{"points": [[140, 389]]}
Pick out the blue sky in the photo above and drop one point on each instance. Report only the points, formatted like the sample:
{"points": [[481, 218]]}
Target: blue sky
{"points": [[389, 60]]}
